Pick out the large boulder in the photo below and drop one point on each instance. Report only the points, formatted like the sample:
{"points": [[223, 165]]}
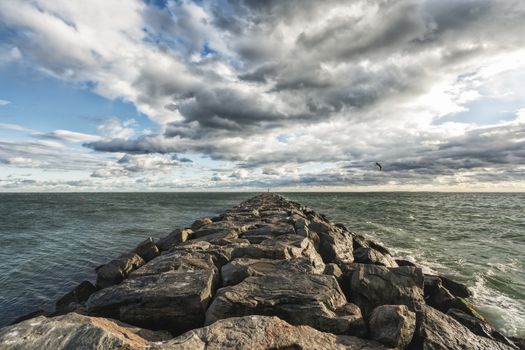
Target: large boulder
{"points": [[76, 298], [437, 331], [74, 331], [392, 325], [372, 256], [374, 285], [440, 298], [314, 300], [117, 270], [197, 224], [175, 301], [263, 333], [237, 270], [335, 246]]}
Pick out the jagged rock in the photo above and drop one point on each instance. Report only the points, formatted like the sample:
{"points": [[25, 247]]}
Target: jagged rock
{"points": [[361, 242], [439, 297], [147, 249], [314, 300], [455, 288], [437, 331], [374, 285], [75, 298], [392, 325], [479, 327], [176, 261], [74, 331], [239, 269], [280, 247], [334, 245], [333, 270], [401, 262], [372, 256], [176, 237], [263, 333], [220, 254], [263, 232], [116, 270], [197, 224], [220, 227], [173, 301]]}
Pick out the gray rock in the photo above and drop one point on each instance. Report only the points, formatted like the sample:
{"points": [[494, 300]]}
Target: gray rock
{"points": [[333, 270], [74, 331], [374, 285], [176, 237], [176, 261], [440, 298], [335, 246], [239, 269], [392, 325], [117, 270], [197, 224], [75, 298], [280, 247], [479, 327], [437, 331], [173, 301], [361, 242], [263, 333], [147, 249], [314, 300], [455, 288], [372, 256], [222, 227]]}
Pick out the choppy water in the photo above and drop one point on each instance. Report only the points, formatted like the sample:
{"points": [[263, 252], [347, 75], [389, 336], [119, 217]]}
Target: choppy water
{"points": [[51, 242]]}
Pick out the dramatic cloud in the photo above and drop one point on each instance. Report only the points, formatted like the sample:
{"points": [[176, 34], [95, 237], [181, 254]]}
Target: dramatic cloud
{"points": [[285, 93]]}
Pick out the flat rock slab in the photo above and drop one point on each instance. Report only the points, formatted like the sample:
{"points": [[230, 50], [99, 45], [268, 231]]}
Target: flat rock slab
{"points": [[74, 331], [374, 285], [239, 269], [173, 301], [301, 299], [176, 261], [262, 333]]}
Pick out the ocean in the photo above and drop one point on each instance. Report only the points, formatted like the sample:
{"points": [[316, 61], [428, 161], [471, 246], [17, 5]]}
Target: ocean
{"points": [[52, 241]]}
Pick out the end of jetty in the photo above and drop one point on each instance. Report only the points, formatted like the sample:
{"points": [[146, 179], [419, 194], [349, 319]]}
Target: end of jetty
{"points": [[266, 274]]}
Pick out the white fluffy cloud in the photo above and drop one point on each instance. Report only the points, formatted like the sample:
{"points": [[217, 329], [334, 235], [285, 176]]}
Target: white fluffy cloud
{"points": [[295, 92]]}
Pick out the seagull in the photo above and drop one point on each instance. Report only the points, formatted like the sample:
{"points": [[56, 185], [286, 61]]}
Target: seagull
{"points": [[379, 165]]}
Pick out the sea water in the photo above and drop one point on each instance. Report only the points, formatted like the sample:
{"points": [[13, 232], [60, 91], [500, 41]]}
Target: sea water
{"points": [[49, 242]]}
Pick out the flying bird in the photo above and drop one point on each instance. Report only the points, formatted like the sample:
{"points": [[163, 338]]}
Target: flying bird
{"points": [[379, 166]]}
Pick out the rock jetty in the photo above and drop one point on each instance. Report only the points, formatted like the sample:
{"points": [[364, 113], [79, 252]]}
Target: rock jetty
{"points": [[266, 274]]}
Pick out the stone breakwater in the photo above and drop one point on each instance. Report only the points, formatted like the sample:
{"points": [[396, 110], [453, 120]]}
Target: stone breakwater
{"points": [[266, 274]]}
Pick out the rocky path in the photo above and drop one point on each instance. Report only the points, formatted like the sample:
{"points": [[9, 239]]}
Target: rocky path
{"points": [[267, 274]]}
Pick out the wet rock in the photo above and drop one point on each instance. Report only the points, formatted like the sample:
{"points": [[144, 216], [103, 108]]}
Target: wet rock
{"points": [[334, 245], [440, 298], [437, 331], [173, 301], [401, 262], [374, 285], [239, 269], [197, 224], [455, 288], [392, 325], [117, 270], [263, 333], [314, 300], [372, 256], [478, 326], [74, 331], [176, 237], [147, 249], [76, 298]]}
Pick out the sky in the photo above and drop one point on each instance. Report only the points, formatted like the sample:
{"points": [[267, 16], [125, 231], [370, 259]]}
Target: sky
{"points": [[306, 95]]}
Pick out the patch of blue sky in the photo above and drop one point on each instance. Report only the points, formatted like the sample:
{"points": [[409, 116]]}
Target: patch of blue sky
{"points": [[44, 103], [485, 111]]}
